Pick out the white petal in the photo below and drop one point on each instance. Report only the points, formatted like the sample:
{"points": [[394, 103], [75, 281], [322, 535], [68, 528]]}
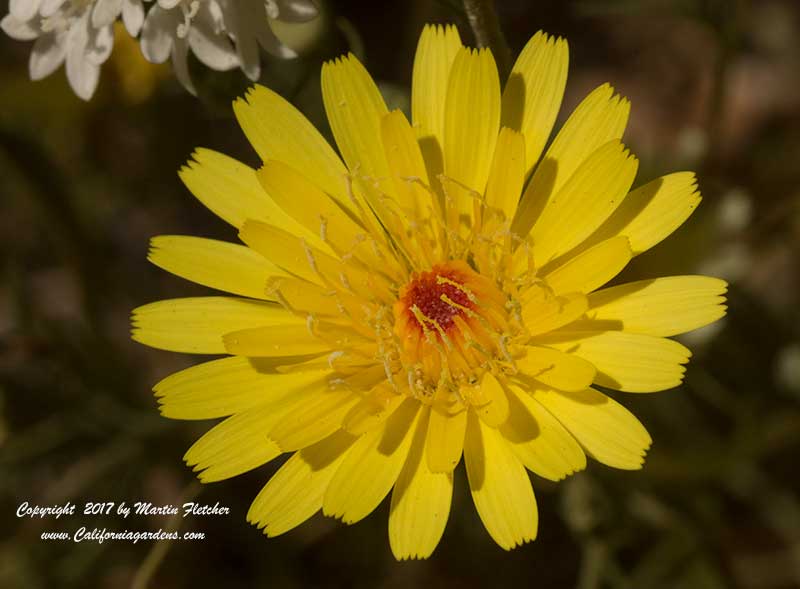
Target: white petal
{"points": [[249, 59], [78, 34], [296, 10], [213, 9], [158, 34], [82, 73], [83, 77], [168, 4], [132, 16], [212, 48], [19, 30], [101, 42], [47, 55], [49, 7], [240, 24], [23, 10], [105, 12], [180, 51]]}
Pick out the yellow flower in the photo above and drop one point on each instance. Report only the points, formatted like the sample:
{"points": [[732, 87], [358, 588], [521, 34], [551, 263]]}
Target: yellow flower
{"points": [[433, 295]]}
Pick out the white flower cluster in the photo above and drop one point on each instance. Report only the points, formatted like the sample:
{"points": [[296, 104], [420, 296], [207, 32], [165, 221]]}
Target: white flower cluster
{"points": [[223, 34]]}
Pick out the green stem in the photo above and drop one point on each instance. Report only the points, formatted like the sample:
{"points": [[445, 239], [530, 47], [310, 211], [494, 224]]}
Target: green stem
{"points": [[158, 552]]}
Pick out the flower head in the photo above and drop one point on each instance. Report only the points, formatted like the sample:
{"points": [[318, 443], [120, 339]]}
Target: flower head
{"points": [[223, 34], [79, 32], [431, 294]]}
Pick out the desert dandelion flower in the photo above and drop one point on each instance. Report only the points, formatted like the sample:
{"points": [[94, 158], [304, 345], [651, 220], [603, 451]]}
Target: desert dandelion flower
{"points": [[433, 294]]}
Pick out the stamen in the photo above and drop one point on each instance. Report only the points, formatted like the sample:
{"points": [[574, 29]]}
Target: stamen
{"points": [[312, 261], [189, 12], [282, 301], [387, 368], [471, 338], [445, 280], [311, 325], [367, 218], [466, 310], [345, 281], [334, 356], [503, 346], [422, 318]]}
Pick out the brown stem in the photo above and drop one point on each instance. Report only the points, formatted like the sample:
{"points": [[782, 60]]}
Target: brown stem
{"points": [[483, 20]]}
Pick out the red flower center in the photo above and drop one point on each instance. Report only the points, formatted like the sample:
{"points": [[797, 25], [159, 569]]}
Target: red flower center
{"points": [[433, 299]]}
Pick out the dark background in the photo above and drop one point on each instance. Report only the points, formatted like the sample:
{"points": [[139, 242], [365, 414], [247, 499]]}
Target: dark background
{"points": [[715, 89]]}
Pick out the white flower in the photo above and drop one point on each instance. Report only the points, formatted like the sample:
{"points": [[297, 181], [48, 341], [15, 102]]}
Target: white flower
{"points": [[248, 23], [172, 27], [223, 34], [76, 31]]}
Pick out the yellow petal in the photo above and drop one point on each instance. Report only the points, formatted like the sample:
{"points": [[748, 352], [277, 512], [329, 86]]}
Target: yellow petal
{"points": [[216, 264], [436, 50], [294, 255], [597, 120], [544, 312], [295, 492], [500, 486], [406, 164], [277, 130], [491, 402], [662, 306], [240, 443], [354, 106], [314, 210], [196, 325], [459, 204], [304, 297], [290, 340], [607, 431], [420, 502], [652, 212], [236, 445], [372, 410], [566, 372], [231, 190], [627, 361], [539, 440], [507, 174], [226, 386], [312, 421], [592, 268], [371, 466], [445, 439], [471, 120], [283, 249], [584, 202], [533, 93]]}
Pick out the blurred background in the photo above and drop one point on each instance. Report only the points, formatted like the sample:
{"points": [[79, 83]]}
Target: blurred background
{"points": [[84, 185]]}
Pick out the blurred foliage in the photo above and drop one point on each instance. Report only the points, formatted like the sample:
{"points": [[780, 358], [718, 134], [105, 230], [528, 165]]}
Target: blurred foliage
{"points": [[714, 88]]}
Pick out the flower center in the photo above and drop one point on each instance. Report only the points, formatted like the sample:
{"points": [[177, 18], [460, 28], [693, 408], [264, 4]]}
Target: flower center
{"points": [[434, 299], [449, 323]]}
